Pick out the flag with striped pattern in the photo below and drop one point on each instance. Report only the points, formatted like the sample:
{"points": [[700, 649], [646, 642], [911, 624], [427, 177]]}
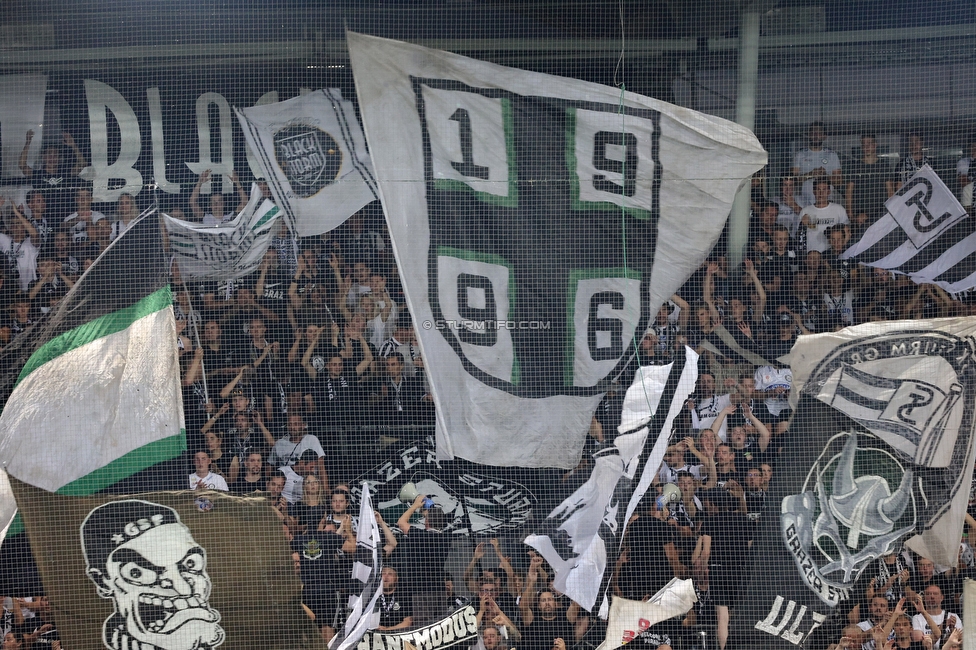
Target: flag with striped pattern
{"points": [[925, 234], [96, 385], [362, 604]]}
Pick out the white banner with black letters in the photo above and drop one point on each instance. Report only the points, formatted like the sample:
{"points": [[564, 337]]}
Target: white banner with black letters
{"points": [[313, 155], [231, 250], [538, 223]]}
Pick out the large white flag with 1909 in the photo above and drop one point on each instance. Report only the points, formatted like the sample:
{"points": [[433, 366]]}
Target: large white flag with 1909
{"points": [[538, 222]]}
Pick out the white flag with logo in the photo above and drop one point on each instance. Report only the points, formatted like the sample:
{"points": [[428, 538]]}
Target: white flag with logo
{"points": [[538, 223], [908, 384], [362, 605], [313, 155], [630, 618], [230, 250], [926, 234]]}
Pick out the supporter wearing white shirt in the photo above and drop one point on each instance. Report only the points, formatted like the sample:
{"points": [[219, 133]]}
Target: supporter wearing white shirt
{"points": [[19, 249], [84, 216], [707, 405], [932, 619], [816, 162], [821, 215], [203, 478]]}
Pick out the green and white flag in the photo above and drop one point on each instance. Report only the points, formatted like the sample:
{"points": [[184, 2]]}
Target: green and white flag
{"points": [[97, 399], [231, 250]]}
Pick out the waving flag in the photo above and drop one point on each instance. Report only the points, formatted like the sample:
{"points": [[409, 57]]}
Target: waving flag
{"points": [[881, 453], [538, 223], [589, 524], [230, 250], [313, 155], [96, 366], [362, 605], [926, 234]]}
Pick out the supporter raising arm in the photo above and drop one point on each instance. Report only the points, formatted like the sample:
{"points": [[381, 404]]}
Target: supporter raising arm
{"points": [[216, 215], [51, 158]]}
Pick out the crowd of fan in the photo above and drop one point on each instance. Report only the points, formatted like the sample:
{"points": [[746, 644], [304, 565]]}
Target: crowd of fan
{"points": [[294, 375], [723, 455]]}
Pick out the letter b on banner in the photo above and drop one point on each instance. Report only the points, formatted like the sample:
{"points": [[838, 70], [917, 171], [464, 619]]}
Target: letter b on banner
{"points": [[102, 97]]}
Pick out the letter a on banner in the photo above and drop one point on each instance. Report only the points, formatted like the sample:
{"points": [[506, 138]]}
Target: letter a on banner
{"points": [[538, 223]]}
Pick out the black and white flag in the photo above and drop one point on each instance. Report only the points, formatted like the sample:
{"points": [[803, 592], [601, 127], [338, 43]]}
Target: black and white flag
{"points": [[313, 155], [926, 235], [538, 224], [586, 528], [880, 454], [362, 605]]}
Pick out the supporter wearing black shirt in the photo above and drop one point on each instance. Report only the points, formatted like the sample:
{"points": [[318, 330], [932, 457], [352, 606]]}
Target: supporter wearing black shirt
{"points": [[422, 552], [545, 627], [252, 479], [725, 464], [779, 268], [399, 396], [219, 358], [651, 556], [54, 177], [785, 334], [723, 548], [866, 185], [335, 399], [271, 293], [925, 575], [394, 603], [322, 567]]}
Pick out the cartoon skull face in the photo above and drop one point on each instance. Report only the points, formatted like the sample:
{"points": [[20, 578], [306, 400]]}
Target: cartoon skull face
{"points": [[158, 580]]}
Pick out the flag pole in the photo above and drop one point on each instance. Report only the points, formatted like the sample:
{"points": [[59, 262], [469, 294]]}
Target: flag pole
{"points": [[196, 332], [196, 339]]}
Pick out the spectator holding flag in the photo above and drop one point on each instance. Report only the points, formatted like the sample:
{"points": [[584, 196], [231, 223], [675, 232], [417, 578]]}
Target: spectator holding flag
{"points": [[216, 215]]}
